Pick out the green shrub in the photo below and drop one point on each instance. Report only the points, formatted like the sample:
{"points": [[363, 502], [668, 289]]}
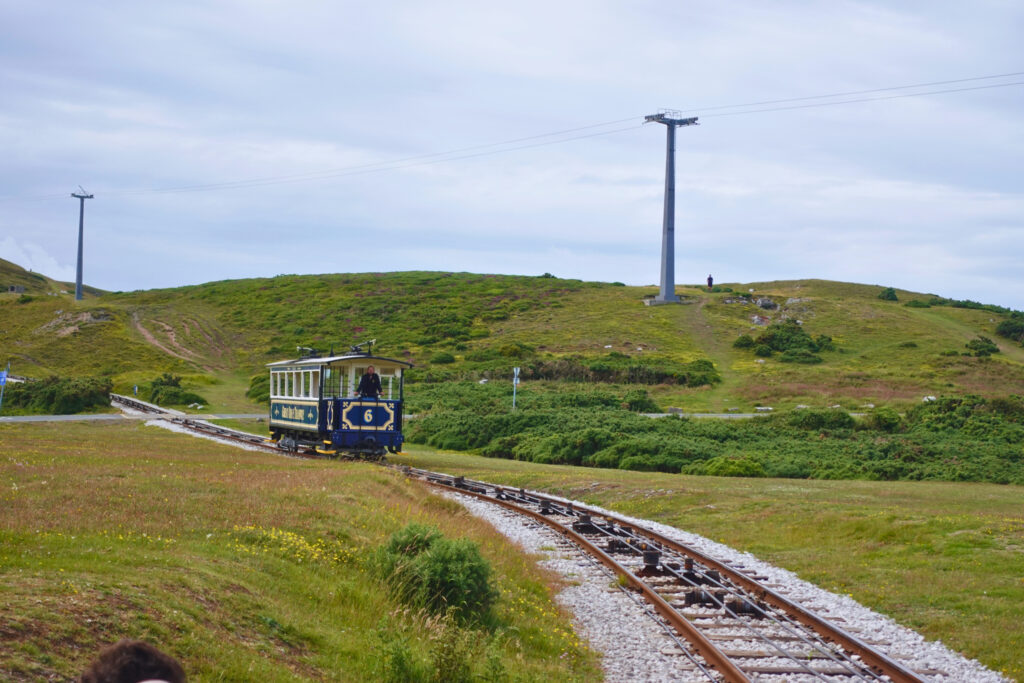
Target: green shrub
{"points": [[821, 419], [982, 347], [785, 335], [728, 466], [442, 358], [515, 350], [438, 574], [799, 356], [823, 342], [259, 388], [638, 401], [907, 345], [884, 420], [1012, 328], [917, 303], [953, 439], [888, 294], [744, 341], [480, 355], [58, 395], [763, 350], [167, 390]]}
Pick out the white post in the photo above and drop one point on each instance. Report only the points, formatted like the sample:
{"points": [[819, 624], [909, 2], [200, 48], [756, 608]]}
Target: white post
{"points": [[515, 382]]}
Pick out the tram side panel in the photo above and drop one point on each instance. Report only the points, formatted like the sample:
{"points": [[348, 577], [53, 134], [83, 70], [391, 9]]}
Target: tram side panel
{"points": [[296, 418]]}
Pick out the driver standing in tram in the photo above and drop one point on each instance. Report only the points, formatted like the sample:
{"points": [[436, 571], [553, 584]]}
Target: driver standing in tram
{"points": [[369, 384]]}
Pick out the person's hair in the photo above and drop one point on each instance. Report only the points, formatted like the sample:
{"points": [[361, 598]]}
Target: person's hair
{"points": [[369, 368], [131, 661]]}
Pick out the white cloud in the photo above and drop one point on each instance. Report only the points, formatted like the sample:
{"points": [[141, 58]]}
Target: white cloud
{"points": [[132, 97], [32, 256]]}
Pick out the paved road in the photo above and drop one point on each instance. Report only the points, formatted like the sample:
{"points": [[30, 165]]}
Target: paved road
{"points": [[725, 416], [109, 417]]}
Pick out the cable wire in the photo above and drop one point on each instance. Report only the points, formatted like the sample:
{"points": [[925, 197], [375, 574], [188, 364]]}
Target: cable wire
{"points": [[511, 145]]}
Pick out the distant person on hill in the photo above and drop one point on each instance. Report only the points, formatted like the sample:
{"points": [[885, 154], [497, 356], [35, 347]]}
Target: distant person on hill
{"points": [[369, 384], [133, 661], [711, 281]]}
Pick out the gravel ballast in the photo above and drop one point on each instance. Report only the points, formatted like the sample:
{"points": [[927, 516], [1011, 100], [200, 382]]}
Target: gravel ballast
{"points": [[635, 648]]}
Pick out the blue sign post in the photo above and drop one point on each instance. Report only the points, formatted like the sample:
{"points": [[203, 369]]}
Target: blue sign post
{"points": [[3, 384]]}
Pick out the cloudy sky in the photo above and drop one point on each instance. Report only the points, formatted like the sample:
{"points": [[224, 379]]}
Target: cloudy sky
{"points": [[240, 139]]}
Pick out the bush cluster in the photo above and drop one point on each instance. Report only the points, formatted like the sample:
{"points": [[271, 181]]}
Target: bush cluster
{"points": [[166, 390], [259, 388], [963, 439], [888, 294], [788, 338], [59, 395], [1013, 328], [438, 574], [982, 347]]}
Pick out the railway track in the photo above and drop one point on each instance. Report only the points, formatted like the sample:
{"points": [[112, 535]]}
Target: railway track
{"points": [[198, 426], [727, 623]]}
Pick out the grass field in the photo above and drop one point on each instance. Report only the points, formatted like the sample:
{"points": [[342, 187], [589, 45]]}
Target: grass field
{"points": [[945, 559], [244, 566]]}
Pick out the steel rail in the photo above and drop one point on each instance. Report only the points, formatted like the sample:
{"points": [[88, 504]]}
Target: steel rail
{"points": [[716, 658], [889, 667], [811, 639]]}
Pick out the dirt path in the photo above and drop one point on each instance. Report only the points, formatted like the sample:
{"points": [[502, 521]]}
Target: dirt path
{"points": [[717, 350], [178, 350]]}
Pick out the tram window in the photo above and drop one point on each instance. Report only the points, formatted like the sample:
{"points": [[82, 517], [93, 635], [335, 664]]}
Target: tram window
{"points": [[314, 384]]}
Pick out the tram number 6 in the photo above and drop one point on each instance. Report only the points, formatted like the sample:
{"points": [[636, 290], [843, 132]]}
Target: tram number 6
{"points": [[368, 415]]}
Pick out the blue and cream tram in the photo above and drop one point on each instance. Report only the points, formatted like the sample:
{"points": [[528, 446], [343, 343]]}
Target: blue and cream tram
{"points": [[314, 403]]}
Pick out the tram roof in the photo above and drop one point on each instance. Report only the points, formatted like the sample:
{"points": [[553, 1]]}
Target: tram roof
{"points": [[347, 359]]}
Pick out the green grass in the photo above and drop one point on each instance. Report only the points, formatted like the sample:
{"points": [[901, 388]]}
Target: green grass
{"points": [[243, 566], [945, 559]]}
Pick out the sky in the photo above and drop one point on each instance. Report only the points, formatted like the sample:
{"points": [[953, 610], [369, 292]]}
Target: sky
{"points": [[230, 139]]}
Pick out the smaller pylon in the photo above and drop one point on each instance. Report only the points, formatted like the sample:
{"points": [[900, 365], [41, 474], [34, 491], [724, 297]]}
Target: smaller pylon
{"points": [[81, 234]]}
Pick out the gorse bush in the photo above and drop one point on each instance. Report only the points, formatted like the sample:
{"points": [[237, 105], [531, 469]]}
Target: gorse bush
{"points": [[438, 574], [58, 395], [799, 356], [821, 419], [1013, 328], [982, 347], [744, 341], [167, 390], [259, 388], [888, 294], [884, 420], [638, 401], [961, 439]]}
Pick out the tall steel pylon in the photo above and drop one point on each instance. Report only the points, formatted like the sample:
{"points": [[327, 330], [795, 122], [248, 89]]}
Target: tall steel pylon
{"points": [[81, 233], [668, 226]]}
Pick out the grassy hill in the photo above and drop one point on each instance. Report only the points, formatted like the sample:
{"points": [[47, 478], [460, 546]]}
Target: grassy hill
{"points": [[468, 326]]}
